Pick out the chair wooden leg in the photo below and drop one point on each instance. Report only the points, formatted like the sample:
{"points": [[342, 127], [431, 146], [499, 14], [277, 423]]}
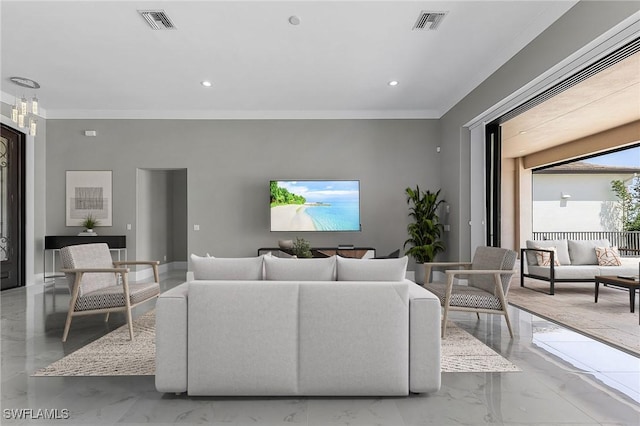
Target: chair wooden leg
{"points": [[478, 315], [130, 323], [506, 317], [67, 325], [106, 318], [447, 301], [444, 320]]}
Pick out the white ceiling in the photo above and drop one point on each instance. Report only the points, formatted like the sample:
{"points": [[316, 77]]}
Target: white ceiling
{"points": [[101, 60], [608, 99]]}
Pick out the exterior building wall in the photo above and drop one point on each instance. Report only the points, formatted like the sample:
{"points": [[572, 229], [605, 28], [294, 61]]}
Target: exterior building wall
{"points": [[592, 205]]}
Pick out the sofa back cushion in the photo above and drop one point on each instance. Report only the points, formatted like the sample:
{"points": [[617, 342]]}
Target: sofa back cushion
{"points": [[561, 246], [371, 269], [584, 252], [220, 268], [292, 269]]}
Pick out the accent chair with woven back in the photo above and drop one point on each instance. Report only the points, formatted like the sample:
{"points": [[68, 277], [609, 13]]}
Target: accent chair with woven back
{"points": [[98, 285], [489, 277]]}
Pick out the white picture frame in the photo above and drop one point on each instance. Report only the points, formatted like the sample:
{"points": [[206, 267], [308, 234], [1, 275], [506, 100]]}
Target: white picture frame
{"points": [[89, 192]]}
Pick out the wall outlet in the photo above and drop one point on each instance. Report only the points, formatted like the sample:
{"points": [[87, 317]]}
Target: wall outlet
{"points": [[196, 227], [165, 257], [128, 227]]}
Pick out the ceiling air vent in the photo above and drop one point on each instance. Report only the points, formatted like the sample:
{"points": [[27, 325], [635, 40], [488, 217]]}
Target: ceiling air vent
{"points": [[428, 21], [157, 19]]}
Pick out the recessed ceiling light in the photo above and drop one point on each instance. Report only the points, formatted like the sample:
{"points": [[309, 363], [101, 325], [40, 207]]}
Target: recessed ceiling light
{"points": [[206, 83], [294, 20], [393, 83], [522, 132]]}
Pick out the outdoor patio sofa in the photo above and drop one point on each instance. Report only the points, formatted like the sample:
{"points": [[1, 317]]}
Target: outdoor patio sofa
{"points": [[571, 261]]}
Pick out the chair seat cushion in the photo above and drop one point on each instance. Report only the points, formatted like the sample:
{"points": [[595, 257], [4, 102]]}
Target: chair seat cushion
{"points": [[113, 296], [465, 296]]}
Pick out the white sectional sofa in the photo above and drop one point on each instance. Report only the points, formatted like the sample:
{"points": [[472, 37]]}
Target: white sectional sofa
{"points": [[570, 261], [273, 326]]}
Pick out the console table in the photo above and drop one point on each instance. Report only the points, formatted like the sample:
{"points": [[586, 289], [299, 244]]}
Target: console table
{"points": [[53, 243], [356, 252]]}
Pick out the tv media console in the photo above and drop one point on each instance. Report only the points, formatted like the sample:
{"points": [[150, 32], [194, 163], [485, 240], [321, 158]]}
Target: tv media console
{"points": [[356, 252]]}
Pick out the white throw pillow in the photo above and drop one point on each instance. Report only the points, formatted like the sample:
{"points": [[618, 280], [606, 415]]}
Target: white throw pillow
{"points": [[372, 269], [293, 269], [544, 258], [608, 256], [219, 268]]}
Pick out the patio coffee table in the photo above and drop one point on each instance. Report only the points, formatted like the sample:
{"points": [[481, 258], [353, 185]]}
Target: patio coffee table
{"points": [[632, 285]]}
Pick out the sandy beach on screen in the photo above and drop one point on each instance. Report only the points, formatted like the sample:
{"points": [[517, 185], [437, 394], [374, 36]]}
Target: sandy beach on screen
{"points": [[291, 218]]}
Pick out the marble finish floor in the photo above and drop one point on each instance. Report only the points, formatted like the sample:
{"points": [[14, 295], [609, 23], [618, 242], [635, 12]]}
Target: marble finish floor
{"points": [[566, 379]]}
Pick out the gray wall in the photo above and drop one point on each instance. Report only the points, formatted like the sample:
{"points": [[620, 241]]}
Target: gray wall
{"points": [[229, 164], [575, 29], [179, 224]]}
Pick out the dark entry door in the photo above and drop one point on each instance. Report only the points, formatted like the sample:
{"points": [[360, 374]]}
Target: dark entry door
{"points": [[12, 199]]}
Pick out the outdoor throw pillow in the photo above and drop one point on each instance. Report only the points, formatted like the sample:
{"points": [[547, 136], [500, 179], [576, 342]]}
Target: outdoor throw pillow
{"points": [[562, 248], [544, 257], [608, 256]]}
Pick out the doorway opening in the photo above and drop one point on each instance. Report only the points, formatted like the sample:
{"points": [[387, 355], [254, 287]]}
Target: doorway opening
{"points": [[161, 232]]}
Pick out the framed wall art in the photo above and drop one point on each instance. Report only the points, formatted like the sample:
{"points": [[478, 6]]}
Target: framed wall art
{"points": [[89, 192]]}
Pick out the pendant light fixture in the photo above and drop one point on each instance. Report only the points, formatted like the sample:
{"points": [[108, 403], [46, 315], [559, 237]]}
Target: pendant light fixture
{"points": [[25, 112]]}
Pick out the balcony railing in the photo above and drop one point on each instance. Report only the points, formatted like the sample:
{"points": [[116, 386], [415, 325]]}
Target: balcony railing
{"points": [[628, 243]]}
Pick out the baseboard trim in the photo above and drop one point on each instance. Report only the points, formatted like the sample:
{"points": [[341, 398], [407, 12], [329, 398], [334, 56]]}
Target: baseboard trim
{"points": [[147, 272]]}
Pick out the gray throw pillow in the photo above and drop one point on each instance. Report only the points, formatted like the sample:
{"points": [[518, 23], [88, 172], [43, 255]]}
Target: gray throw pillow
{"points": [[220, 268], [292, 269], [372, 269]]}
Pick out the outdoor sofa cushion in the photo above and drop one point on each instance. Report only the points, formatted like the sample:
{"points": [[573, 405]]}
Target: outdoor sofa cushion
{"points": [[584, 252]]}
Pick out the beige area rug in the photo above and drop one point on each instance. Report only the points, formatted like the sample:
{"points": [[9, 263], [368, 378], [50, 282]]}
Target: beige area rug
{"points": [[573, 307], [115, 355], [463, 353]]}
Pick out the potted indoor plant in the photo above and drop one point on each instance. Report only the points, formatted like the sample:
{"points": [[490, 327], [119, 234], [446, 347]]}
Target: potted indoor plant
{"points": [[425, 230], [89, 222], [301, 248]]}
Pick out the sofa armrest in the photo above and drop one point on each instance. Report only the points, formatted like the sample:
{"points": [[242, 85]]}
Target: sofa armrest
{"points": [[171, 340], [424, 340], [552, 270]]}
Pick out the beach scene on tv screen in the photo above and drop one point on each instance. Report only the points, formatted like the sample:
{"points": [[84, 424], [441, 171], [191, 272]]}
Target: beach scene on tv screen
{"points": [[315, 205]]}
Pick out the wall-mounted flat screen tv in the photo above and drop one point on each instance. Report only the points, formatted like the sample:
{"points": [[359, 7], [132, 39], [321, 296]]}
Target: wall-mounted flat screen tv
{"points": [[315, 205]]}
